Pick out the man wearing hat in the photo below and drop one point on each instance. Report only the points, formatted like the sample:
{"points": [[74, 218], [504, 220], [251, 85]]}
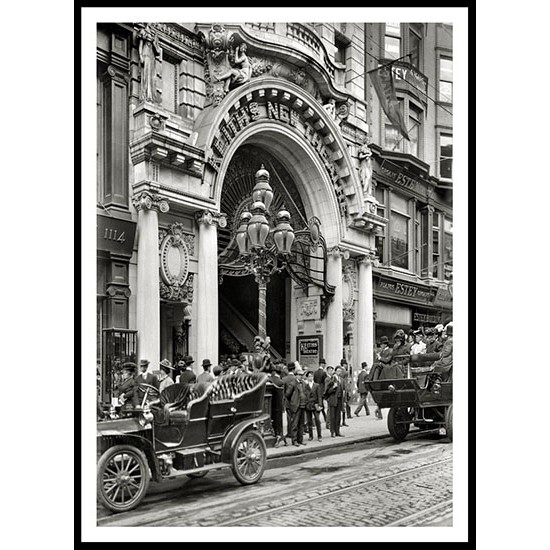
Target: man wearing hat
{"points": [[297, 400], [444, 365], [187, 376], [164, 375], [127, 393], [362, 389], [383, 358], [145, 377], [319, 377], [419, 346], [205, 376]]}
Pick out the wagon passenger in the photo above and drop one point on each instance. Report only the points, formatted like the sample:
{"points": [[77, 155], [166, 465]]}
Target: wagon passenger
{"points": [[443, 366]]}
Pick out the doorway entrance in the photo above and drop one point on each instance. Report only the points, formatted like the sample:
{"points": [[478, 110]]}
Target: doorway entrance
{"points": [[238, 292]]}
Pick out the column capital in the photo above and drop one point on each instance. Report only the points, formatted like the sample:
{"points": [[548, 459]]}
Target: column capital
{"points": [[338, 251], [429, 208], [368, 258], [150, 201], [209, 217]]}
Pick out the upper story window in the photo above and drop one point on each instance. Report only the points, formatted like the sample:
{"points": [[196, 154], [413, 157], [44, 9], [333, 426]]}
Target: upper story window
{"points": [[399, 232], [392, 41], [446, 156], [413, 117], [341, 43], [448, 249], [445, 79], [401, 39], [170, 84], [415, 44]]}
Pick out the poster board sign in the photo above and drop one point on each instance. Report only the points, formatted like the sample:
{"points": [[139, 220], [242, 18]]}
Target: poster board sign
{"points": [[309, 350]]}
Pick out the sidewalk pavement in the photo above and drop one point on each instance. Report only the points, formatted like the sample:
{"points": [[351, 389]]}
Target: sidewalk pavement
{"points": [[359, 428]]}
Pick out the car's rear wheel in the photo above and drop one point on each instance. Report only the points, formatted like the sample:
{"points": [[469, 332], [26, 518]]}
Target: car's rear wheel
{"points": [[399, 423], [122, 478], [249, 458]]}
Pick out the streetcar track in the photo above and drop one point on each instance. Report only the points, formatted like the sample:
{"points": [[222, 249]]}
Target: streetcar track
{"points": [[431, 512], [351, 483], [330, 493]]}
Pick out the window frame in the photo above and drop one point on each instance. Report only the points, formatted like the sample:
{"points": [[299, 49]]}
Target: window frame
{"points": [[407, 214], [406, 102], [441, 56]]}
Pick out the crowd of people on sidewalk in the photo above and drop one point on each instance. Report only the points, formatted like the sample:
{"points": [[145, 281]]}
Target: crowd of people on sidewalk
{"points": [[303, 396]]}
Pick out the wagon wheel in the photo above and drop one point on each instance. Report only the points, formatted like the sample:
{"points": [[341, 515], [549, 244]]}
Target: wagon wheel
{"points": [[249, 457], [122, 478], [449, 422], [399, 423]]}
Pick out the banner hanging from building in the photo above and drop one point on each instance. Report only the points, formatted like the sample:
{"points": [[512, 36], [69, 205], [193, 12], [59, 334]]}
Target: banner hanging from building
{"points": [[382, 80]]}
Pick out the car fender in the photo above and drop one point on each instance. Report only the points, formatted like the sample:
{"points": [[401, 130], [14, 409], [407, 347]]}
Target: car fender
{"points": [[137, 441], [230, 439]]}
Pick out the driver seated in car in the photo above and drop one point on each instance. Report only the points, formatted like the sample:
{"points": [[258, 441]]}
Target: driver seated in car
{"points": [[127, 388]]}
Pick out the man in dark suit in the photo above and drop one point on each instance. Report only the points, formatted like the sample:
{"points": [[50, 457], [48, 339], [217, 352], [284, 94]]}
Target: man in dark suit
{"points": [[187, 376], [334, 394], [127, 394], [314, 405], [297, 401], [319, 377], [362, 390], [145, 377], [289, 381]]}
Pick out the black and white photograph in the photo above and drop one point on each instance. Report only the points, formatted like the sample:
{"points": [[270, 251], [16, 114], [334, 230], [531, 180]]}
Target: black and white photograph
{"points": [[274, 222]]}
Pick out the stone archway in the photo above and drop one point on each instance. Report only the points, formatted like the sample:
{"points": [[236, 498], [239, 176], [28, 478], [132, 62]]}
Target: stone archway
{"points": [[295, 129]]}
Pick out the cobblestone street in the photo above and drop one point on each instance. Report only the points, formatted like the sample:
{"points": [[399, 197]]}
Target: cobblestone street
{"points": [[372, 484]]}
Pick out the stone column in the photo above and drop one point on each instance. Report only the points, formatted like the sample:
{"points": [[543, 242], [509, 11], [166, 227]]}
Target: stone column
{"points": [[148, 295], [365, 317], [207, 287], [335, 315]]}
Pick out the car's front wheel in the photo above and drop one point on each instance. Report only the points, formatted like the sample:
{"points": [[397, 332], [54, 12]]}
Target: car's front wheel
{"points": [[249, 458], [122, 477]]}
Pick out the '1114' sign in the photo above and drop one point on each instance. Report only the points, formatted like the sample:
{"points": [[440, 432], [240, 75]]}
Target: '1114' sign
{"points": [[113, 235]]}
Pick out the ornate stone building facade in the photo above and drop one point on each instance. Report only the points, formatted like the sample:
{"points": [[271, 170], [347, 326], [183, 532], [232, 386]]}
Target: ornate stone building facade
{"points": [[188, 114]]}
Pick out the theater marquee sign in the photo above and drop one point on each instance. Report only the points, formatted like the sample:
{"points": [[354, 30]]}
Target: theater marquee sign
{"points": [[285, 108]]}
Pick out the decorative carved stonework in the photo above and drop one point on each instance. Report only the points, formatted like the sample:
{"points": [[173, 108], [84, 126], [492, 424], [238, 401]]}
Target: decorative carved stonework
{"points": [[338, 250], [183, 293], [118, 290], [349, 286], [210, 217], [308, 308], [174, 264], [150, 59], [368, 258], [150, 201], [216, 44]]}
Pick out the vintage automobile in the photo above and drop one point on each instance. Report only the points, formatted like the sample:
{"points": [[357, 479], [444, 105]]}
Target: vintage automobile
{"points": [[420, 399], [186, 430]]}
